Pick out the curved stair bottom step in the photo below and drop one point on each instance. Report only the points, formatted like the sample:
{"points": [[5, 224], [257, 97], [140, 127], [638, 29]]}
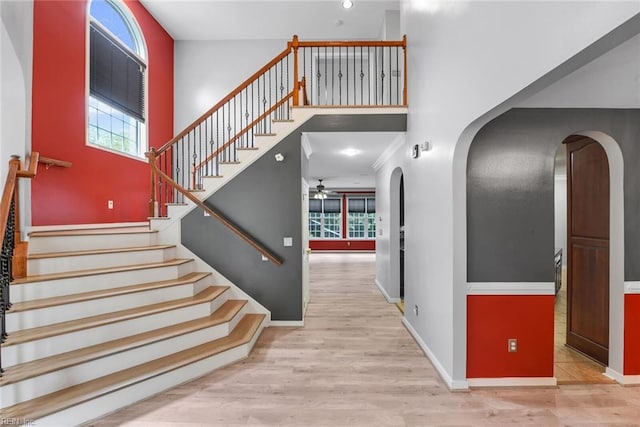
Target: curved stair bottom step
{"points": [[56, 410]]}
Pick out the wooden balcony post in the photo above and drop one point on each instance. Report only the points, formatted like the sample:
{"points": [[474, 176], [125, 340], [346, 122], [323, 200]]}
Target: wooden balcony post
{"points": [[153, 203], [296, 82], [404, 50]]}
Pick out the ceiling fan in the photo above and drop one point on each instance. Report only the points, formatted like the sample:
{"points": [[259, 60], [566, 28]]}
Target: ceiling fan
{"points": [[321, 192]]}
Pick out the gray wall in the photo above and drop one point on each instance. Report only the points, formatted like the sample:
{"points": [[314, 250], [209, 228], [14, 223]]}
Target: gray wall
{"points": [[265, 200], [510, 199]]}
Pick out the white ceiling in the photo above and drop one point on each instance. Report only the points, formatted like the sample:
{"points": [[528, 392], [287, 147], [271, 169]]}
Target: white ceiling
{"points": [[329, 162], [265, 19]]}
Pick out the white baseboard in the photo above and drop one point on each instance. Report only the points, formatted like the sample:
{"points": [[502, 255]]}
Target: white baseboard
{"points": [[622, 379], [512, 382], [385, 294], [296, 323], [453, 385]]}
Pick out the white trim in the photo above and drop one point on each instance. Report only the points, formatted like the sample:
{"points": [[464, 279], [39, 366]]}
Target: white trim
{"points": [[306, 145], [453, 385], [279, 323], [513, 382], [622, 379], [511, 288], [396, 144], [385, 294], [632, 287], [35, 228]]}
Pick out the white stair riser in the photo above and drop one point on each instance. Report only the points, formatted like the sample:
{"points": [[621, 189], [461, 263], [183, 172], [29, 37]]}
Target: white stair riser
{"points": [[62, 313], [57, 380], [125, 396], [95, 282], [40, 245], [105, 260], [28, 351]]}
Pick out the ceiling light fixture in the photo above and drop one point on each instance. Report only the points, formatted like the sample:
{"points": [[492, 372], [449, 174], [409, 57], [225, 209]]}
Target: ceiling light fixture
{"points": [[347, 4], [350, 152]]}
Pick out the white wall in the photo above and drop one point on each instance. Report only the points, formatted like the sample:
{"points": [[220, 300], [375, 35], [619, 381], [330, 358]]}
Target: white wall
{"points": [[16, 63], [466, 61], [560, 202], [207, 71]]}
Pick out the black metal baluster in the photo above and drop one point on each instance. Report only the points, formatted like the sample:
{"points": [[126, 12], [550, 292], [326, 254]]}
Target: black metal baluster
{"points": [[270, 104], [382, 75], [233, 146], [326, 83], [217, 157], [361, 79], [355, 90], [264, 104], [339, 74], [228, 137], [333, 76], [375, 59], [397, 76]]}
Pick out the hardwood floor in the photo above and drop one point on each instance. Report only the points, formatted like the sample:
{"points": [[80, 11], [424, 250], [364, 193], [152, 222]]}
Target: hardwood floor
{"points": [[355, 364], [571, 367]]}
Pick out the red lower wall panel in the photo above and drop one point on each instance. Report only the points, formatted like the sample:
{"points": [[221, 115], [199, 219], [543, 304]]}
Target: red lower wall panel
{"points": [[631, 334], [80, 194], [342, 245], [493, 319]]}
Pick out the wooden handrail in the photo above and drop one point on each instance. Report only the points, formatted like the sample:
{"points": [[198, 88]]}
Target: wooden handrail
{"points": [[243, 131], [366, 43], [224, 100], [7, 194], [55, 162], [272, 257], [33, 166]]}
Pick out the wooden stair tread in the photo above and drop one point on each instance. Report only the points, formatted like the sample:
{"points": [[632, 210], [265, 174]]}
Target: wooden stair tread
{"points": [[212, 176], [20, 372], [222, 162], [104, 293], [283, 120], [62, 399], [32, 334], [247, 148], [92, 231], [99, 251], [80, 273], [264, 134]]}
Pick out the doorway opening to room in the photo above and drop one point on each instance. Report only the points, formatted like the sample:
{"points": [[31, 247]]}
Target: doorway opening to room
{"points": [[401, 249], [582, 203]]}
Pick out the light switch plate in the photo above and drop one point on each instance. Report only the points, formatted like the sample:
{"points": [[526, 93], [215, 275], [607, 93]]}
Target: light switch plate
{"points": [[288, 241]]}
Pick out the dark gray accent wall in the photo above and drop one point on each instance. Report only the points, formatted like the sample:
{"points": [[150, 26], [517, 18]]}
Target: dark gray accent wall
{"points": [[265, 200], [510, 178]]}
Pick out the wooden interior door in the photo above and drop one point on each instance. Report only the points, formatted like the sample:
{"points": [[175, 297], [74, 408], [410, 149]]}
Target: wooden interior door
{"points": [[588, 248]]}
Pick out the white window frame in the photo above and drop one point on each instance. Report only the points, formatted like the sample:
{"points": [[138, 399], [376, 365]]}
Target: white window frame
{"points": [[136, 31]]}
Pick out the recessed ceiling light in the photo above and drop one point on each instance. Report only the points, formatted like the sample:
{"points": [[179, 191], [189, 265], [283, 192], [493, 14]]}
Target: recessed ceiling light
{"points": [[347, 4], [350, 152]]}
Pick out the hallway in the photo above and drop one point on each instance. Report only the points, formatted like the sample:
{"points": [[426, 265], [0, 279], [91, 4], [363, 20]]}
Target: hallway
{"points": [[355, 364]]}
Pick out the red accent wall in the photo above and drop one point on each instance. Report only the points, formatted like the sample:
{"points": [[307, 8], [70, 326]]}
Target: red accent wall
{"points": [[342, 245], [79, 194], [631, 334], [493, 319]]}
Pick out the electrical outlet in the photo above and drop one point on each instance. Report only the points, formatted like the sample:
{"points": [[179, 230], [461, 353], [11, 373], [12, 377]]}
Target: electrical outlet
{"points": [[109, 204], [415, 310], [513, 345]]}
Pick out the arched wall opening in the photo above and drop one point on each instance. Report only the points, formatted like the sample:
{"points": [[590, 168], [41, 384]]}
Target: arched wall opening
{"points": [[394, 233], [510, 238]]}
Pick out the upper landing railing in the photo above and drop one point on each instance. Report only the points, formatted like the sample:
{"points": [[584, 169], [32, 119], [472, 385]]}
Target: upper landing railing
{"points": [[319, 74]]}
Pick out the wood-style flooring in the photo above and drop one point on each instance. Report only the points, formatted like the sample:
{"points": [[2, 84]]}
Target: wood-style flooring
{"points": [[354, 364]]}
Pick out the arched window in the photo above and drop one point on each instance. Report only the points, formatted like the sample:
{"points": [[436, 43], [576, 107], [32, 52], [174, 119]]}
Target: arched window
{"points": [[117, 69]]}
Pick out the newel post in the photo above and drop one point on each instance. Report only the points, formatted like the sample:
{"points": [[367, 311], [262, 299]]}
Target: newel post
{"points": [[153, 203], [296, 83]]}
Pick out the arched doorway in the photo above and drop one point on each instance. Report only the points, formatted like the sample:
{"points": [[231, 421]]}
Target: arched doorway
{"points": [[396, 236]]}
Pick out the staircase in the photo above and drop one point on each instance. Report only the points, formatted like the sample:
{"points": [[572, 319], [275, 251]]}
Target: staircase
{"points": [[109, 316], [117, 319]]}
